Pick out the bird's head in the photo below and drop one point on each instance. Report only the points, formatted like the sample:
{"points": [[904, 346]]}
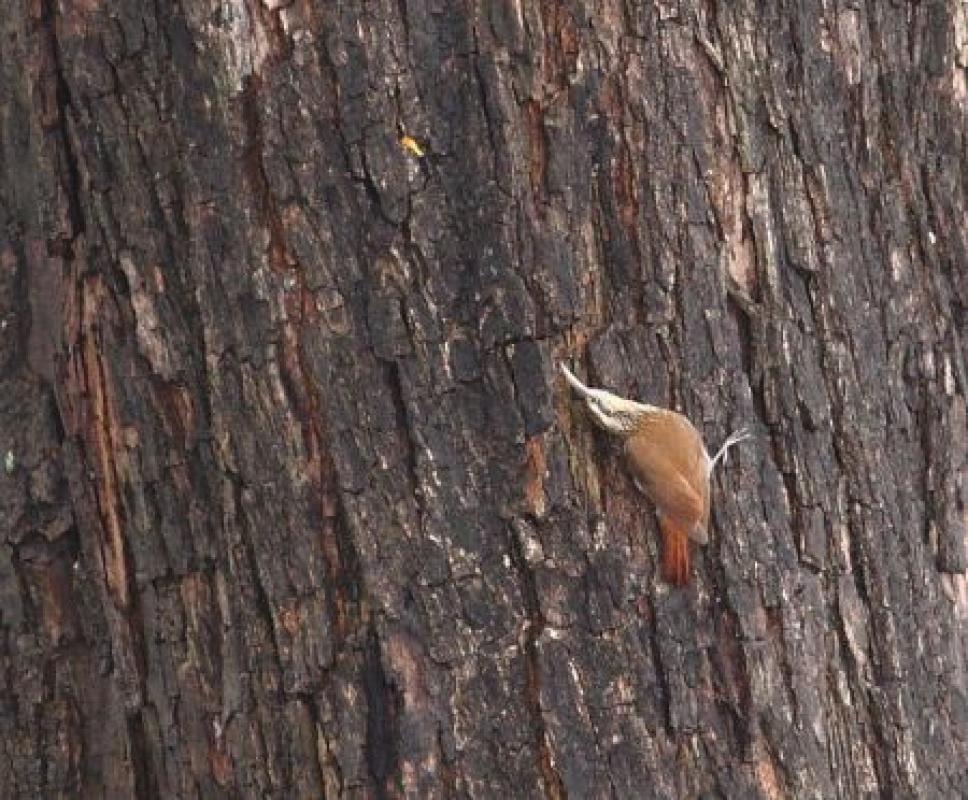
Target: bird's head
{"points": [[612, 413]]}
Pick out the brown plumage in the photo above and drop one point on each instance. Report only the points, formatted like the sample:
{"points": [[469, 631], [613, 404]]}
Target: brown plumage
{"points": [[675, 553], [668, 462]]}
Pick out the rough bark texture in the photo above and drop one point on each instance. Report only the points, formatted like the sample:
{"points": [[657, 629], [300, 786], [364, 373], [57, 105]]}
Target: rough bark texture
{"points": [[293, 501]]}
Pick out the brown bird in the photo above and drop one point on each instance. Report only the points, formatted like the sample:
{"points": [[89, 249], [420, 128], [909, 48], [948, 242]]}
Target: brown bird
{"points": [[669, 464]]}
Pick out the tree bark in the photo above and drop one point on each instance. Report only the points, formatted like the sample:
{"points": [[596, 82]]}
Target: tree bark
{"points": [[294, 502]]}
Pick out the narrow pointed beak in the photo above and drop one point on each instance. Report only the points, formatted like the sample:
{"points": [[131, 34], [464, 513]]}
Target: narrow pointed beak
{"points": [[576, 384]]}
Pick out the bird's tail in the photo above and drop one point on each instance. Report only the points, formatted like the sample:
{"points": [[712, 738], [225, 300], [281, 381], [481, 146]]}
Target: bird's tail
{"points": [[675, 553]]}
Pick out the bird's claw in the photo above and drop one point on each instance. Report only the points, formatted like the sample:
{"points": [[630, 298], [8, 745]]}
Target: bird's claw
{"points": [[737, 436]]}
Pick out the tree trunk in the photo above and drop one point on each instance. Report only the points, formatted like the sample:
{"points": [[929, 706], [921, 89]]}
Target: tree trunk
{"points": [[294, 501]]}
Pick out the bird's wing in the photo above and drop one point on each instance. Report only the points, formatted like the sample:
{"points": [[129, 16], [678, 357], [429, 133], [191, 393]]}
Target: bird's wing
{"points": [[674, 497]]}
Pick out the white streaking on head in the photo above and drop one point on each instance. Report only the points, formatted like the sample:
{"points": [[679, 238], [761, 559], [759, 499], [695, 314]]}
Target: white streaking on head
{"points": [[612, 413]]}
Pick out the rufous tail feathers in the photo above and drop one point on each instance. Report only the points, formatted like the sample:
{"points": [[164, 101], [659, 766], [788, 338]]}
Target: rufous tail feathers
{"points": [[675, 553]]}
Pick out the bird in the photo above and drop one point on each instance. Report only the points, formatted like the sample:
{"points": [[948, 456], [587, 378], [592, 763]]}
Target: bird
{"points": [[668, 463]]}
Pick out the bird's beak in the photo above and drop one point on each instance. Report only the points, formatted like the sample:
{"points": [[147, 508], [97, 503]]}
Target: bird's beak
{"points": [[576, 384]]}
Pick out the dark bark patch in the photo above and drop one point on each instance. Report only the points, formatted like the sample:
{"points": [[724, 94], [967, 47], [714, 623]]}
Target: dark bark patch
{"points": [[382, 749]]}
